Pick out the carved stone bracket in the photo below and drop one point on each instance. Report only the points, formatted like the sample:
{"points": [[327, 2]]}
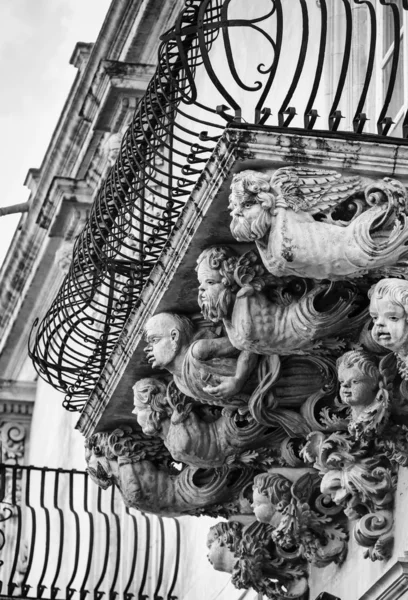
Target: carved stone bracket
{"points": [[285, 404]]}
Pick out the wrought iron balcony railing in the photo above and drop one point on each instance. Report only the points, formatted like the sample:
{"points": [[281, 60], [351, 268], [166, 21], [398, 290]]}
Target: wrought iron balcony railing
{"points": [[206, 63], [63, 539]]}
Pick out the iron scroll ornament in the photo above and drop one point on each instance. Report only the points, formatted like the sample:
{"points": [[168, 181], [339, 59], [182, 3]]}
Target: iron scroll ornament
{"points": [[162, 154]]}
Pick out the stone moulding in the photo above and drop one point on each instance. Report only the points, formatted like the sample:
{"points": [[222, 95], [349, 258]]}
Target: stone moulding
{"points": [[392, 585], [238, 149]]}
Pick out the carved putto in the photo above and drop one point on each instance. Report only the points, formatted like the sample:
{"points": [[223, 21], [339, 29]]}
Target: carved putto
{"points": [[250, 555], [287, 500], [267, 316], [364, 389], [295, 213], [389, 312]]}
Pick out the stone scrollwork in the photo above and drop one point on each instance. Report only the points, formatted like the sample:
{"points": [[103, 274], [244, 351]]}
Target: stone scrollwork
{"points": [[144, 472], [250, 555], [290, 501], [194, 436], [294, 213]]}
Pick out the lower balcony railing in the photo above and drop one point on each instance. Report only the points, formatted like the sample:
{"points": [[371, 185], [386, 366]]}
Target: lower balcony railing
{"points": [[62, 538]]}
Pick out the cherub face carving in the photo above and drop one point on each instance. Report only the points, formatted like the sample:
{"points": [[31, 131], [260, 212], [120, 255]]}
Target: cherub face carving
{"points": [[262, 507], [390, 324], [356, 388], [209, 291]]}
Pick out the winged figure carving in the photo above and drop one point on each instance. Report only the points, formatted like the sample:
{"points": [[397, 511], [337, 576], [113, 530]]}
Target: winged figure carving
{"points": [[321, 224]]}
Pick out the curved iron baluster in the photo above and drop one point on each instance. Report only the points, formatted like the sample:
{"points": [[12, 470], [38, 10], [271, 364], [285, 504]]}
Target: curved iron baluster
{"points": [[360, 118], [17, 512], [384, 123], [311, 114], [40, 584], [141, 593], [278, 47], [24, 586], [207, 62], [156, 595], [285, 109], [61, 535], [170, 595], [127, 595], [112, 592], [82, 590], [335, 115], [96, 593], [69, 589]]}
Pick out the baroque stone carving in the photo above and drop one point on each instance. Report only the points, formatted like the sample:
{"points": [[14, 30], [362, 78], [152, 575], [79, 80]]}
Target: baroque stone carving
{"points": [[205, 369], [266, 315], [293, 214], [287, 500], [148, 480], [389, 312], [193, 435], [285, 411], [253, 559]]}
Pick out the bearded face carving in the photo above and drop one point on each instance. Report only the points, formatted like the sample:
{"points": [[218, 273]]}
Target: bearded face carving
{"points": [[291, 216]]}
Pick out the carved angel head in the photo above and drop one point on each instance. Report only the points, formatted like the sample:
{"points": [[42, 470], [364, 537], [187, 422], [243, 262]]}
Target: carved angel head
{"points": [[215, 273], [389, 311], [150, 404], [271, 494], [222, 541], [365, 390], [252, 201], [359, 379]]}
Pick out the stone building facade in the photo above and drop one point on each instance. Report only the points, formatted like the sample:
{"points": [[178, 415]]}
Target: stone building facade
{"points": [[215, 256]]}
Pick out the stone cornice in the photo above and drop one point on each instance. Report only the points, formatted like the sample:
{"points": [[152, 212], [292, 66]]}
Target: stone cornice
{"points": [[392, 585], [240, 149]]}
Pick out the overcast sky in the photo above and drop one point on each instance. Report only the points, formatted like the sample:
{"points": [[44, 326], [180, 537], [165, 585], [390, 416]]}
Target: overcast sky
{"points": [[37, 38]]}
